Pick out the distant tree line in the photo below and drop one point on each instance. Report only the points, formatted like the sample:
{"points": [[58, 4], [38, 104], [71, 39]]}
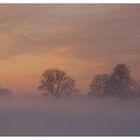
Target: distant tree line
{"points": [[119, 83], [5, 92]]}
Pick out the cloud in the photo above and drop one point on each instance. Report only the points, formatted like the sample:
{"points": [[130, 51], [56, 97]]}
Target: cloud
{"points": [[36, 28], [77, 38]]}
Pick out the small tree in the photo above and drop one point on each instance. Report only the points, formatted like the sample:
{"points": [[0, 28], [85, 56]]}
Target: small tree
{"points": [[56, 83], [99, 84]]}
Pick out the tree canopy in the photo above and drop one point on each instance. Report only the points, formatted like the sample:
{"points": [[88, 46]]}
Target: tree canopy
{"points": [[56, 83], [118, 83]]}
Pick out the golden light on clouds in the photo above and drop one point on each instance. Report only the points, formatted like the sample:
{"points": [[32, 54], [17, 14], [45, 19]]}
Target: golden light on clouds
{"points": [[83, 40], [24, 71]]}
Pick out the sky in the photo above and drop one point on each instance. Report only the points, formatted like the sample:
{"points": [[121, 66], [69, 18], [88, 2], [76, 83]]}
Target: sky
{"points": [[83, 40]]}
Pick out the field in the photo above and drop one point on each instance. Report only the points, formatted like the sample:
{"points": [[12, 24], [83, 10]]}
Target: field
{"points": [[84, 116]]}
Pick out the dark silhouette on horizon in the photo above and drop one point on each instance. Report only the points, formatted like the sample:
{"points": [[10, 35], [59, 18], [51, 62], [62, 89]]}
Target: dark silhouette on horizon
{"points": [[119, 83], [5, 92], [56, 83]]}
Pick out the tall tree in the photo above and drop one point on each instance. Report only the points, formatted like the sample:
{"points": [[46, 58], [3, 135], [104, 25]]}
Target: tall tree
{"points": [[120, 80], [56, 83], [118, 83]]}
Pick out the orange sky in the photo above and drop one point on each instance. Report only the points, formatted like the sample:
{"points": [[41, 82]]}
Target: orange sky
{"points": [[84, 40]]}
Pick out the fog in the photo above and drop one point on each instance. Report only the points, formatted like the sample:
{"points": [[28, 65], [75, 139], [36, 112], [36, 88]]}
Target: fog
{"points": [[75, 116]]}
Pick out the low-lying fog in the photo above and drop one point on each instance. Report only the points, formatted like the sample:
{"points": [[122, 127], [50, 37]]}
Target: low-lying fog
{"points": [[82, 116]]}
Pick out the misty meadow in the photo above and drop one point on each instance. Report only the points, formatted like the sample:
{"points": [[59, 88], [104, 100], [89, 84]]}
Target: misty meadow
{"points": [[69, 70]]}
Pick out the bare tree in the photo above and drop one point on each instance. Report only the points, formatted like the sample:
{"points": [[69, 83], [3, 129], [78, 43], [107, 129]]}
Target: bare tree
{"points": [[99, 85], [56, 83]]}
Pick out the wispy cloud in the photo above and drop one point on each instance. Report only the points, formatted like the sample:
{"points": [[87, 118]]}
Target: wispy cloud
{"points": [[77, 38]]}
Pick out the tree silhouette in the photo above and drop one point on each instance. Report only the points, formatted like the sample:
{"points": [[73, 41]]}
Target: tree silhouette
{"points": [[56, 83], [119, 83], [99, 85], [120, 80]]}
